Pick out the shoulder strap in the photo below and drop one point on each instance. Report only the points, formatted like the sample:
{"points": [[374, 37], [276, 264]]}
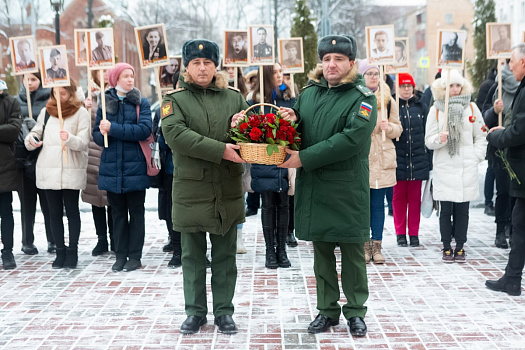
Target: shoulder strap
{"points": [[437, 114], [471, 109], [46, 118]]}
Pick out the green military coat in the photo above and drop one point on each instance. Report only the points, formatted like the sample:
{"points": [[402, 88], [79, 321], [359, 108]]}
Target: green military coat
{"points": [[207, 190], [332, 195]]}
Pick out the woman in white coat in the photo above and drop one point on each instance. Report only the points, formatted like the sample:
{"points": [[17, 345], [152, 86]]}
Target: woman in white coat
{"points": [[60, 179], [457, 153]]}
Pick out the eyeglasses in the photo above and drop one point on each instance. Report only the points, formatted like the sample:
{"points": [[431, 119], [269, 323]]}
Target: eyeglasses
{"points": [[405, 86], [374, 75]]}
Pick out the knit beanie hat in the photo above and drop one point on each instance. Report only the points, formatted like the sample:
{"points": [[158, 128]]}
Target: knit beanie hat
{"points": [[343, 44], [114, 73], [405, 78], [455, 77], [200, 48], [364, 67]]}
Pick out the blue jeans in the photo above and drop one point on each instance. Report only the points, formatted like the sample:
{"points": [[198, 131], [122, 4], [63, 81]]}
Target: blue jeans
{"points": [[377, 213]]}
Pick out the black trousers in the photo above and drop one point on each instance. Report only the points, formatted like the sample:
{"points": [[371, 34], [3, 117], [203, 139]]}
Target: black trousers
{"points": [[253, 200], [102, 226], [165, 206], [291, 214], [27, 196], [57, 200], [516, 261], [488, 188], [128, 233], [274, 213], [502, 207], [8, 222], [453, 218]]}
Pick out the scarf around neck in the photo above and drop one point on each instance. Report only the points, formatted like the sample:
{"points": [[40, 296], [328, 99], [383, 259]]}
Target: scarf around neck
{"points": [[456, 106], [68, 108]]}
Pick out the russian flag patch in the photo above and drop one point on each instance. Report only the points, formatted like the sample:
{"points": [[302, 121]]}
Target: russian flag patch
{"points": [[365, 110]]}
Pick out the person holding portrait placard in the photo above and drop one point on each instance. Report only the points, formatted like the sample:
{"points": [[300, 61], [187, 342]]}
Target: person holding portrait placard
{"points": [[55, 72], [101, 52], [25, 55], [262, 49], [153, 45]]}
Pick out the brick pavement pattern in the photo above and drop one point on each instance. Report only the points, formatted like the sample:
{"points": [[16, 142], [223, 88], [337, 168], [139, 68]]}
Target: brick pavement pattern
{"points": [[416, 301]]}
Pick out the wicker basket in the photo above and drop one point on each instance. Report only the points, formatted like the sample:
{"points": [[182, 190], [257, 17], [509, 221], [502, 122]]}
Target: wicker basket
{"points": [[256, 152]]}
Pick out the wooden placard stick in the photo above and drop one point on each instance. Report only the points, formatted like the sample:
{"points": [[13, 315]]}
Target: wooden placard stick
{"points": [[28, 96], [235, 76], [501, 62], [397, 95], [158, 90], [383, 114], [261, 88], [292, 85], [103, 100], [60, 120], [447, 91], [89, 87]]}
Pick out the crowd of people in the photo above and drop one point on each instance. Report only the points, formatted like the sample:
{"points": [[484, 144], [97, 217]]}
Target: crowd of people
{"points": [[357, 143]]}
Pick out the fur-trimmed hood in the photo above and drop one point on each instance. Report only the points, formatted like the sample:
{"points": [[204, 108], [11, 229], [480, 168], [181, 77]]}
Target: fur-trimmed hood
{"points": [[220, 79], [112, 99], [438, 88], [317, 73]]}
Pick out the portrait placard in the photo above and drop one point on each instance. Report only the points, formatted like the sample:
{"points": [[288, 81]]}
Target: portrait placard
{"points": [[262, 51], [53, 60], [450, 52], [100, 48], [291, 55], [81, 47], [401, 57], [23, 54], [152, 44], [167, 72], [380, 44], [499, 40], [235, 48]]}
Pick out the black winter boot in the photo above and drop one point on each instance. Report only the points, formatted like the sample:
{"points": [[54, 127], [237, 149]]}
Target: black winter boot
{"points": [[8, 259], [101, 247], [271, 257], [290, 240], [500, 241], [59, 260], [282, 258], [71, 260]]}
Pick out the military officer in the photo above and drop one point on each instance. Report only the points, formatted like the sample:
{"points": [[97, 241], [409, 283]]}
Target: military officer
{"points": [[262, 49], [207, 189]]}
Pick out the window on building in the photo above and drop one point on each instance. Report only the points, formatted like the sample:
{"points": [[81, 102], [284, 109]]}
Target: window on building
{"points": [[511, 13], [523, 10], [448, 18], [419, 18]]}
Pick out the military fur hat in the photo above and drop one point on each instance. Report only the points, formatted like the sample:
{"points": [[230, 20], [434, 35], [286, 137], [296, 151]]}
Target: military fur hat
{"points": [[343, 44], [200, 48]]}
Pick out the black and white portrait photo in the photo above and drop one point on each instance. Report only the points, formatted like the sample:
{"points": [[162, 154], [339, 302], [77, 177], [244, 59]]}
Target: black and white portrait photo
{"points": [[101, 48], [55, 70], [499, 40], [401, 56], [168, 72], [236, 48], [23, 54], [450, 48], [151, 40], [261, 45], [380, 44], [80, 47], [291, 55]]}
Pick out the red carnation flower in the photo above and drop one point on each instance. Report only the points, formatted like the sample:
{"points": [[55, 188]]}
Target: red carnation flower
{"points": [[472, 118], [256, 134], [243, 127]]}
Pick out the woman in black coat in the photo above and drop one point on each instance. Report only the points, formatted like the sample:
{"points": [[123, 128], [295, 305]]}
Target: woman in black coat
{"points": [[28, 193], [10, 179]]}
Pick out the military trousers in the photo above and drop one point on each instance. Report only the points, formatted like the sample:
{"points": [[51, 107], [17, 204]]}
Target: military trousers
{"points": [[353, 279], [223, 272]]}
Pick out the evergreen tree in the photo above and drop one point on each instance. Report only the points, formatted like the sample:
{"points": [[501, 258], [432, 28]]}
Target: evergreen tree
{"points": [[484, 12], [303, 27], [10, 81]]}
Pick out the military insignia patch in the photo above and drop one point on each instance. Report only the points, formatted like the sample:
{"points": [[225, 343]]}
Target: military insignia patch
{"points": [[201, 46], [365, 110], [166, 109]]}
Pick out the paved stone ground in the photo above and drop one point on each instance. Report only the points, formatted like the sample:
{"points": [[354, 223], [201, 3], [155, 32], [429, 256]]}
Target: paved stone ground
{"points": [[416, 301]]}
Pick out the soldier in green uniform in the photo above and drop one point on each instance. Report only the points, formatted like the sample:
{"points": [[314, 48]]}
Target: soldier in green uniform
{"points": [[262, 49], [207, 190], [337, 114]]}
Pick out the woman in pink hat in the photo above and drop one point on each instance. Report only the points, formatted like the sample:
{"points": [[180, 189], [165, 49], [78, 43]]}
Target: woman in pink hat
{"points": [[123, 170]]}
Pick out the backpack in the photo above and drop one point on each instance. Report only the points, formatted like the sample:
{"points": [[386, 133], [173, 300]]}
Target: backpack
{"points": [[147, 146], [27, 159]]}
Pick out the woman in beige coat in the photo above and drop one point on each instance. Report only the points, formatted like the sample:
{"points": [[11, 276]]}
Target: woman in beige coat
{"points": [[382, 159], [61, 178]]}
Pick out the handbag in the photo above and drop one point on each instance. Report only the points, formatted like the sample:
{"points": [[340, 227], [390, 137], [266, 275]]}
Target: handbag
{"points": [[428, 204], [147, 147]]}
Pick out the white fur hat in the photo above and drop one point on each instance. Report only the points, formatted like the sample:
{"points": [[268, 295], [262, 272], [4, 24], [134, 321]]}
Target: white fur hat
{"points": [[455, 77]]}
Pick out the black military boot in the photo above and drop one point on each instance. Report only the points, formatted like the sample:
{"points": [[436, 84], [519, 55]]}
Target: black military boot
{"points": [[101, 247], [501, 240], [61, 257], [71, 260], [271, 257]]}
